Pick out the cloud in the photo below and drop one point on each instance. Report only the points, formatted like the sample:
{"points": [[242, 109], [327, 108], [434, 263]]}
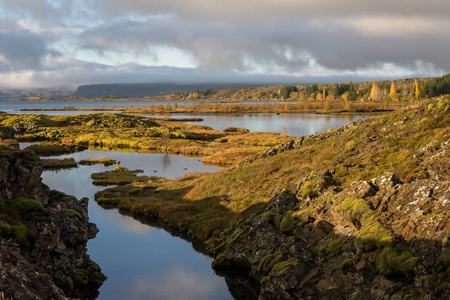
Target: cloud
{"points": [[244, 10], [287, 46], [71, 42], [36, 8], [21, 50]]}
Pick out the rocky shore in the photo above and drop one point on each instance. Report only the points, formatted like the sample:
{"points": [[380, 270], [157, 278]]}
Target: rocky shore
{"points": [[43, 235]]}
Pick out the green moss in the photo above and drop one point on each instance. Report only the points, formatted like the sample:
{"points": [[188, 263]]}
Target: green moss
{"points": [[444, 258], [309, 211], [358, 209], [68, 284], [287, 224], [266, 260], [12, 214], [350, 145], [264, 280], [315, 250], [392, 261], [27, 206], [428, 281], [401, 222], [347, 263], [373, 235], [16, 230], [308, 189], [283, 266], [277, 220], [70, 213], [330, 247], [444, 286], [81, 277]]}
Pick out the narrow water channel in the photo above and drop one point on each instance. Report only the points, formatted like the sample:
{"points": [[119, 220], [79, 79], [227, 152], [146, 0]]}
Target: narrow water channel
{"points": [[141, 261]]}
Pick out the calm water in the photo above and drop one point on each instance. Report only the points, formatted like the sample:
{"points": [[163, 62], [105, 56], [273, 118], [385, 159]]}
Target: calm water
{"points": [[11, 106], [141, 261], [295, 124]]}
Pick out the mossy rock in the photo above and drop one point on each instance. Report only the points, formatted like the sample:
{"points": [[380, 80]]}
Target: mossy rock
{"points": [[287, 224], [392, 261], [265, 261], [277, 220], [308, 189], [428, 281], [27, 206], [347, 263], [372, 236], [265, 280], [444, 258], [70, 213], [81, 277], [283, 266], [330, 247]]}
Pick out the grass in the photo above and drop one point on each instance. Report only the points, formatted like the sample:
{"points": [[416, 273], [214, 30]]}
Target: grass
{"points": [[59, 163], [119, 177], [50, 149], [100, 161]]}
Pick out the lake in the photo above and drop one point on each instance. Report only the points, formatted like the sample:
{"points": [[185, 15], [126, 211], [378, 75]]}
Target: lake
{"points": [[11, 106], [294, 124]]}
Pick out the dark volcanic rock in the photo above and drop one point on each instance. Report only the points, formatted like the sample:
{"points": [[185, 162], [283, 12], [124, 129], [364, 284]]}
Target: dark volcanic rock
{"points": [[6, 133], [49, 261], [294, 255]]}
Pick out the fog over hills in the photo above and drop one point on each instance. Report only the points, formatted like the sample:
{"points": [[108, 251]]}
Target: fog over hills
{"points": [[148, 90]]}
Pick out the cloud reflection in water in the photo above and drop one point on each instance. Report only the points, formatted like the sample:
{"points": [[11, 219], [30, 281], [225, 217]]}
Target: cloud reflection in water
{"points": [[176, 284]]}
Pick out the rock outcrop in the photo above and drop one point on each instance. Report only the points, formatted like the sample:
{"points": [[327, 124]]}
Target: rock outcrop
{"points": [[43, 235], [6, 133], [377, 239]]}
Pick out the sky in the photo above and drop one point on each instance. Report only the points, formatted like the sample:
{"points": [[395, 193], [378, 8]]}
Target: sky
{"points": [[67, 43]]}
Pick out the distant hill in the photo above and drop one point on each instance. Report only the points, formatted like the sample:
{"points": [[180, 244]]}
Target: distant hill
{"points": [[148, 90], [30, 93]]}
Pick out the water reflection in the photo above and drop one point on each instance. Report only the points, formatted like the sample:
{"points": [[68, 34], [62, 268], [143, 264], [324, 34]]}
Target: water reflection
{"points": [[160, 164], [140, 261], [165, 161], [176, 284]]}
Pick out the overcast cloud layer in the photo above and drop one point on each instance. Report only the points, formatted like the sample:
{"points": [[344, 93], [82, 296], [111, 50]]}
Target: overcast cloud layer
{"points": [[52, 43]]}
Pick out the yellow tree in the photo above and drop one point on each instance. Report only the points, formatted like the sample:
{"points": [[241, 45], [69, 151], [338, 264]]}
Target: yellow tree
{"points": [[344, 96], [319, 97], [417, 91], [393, 93], [374, 92]]}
